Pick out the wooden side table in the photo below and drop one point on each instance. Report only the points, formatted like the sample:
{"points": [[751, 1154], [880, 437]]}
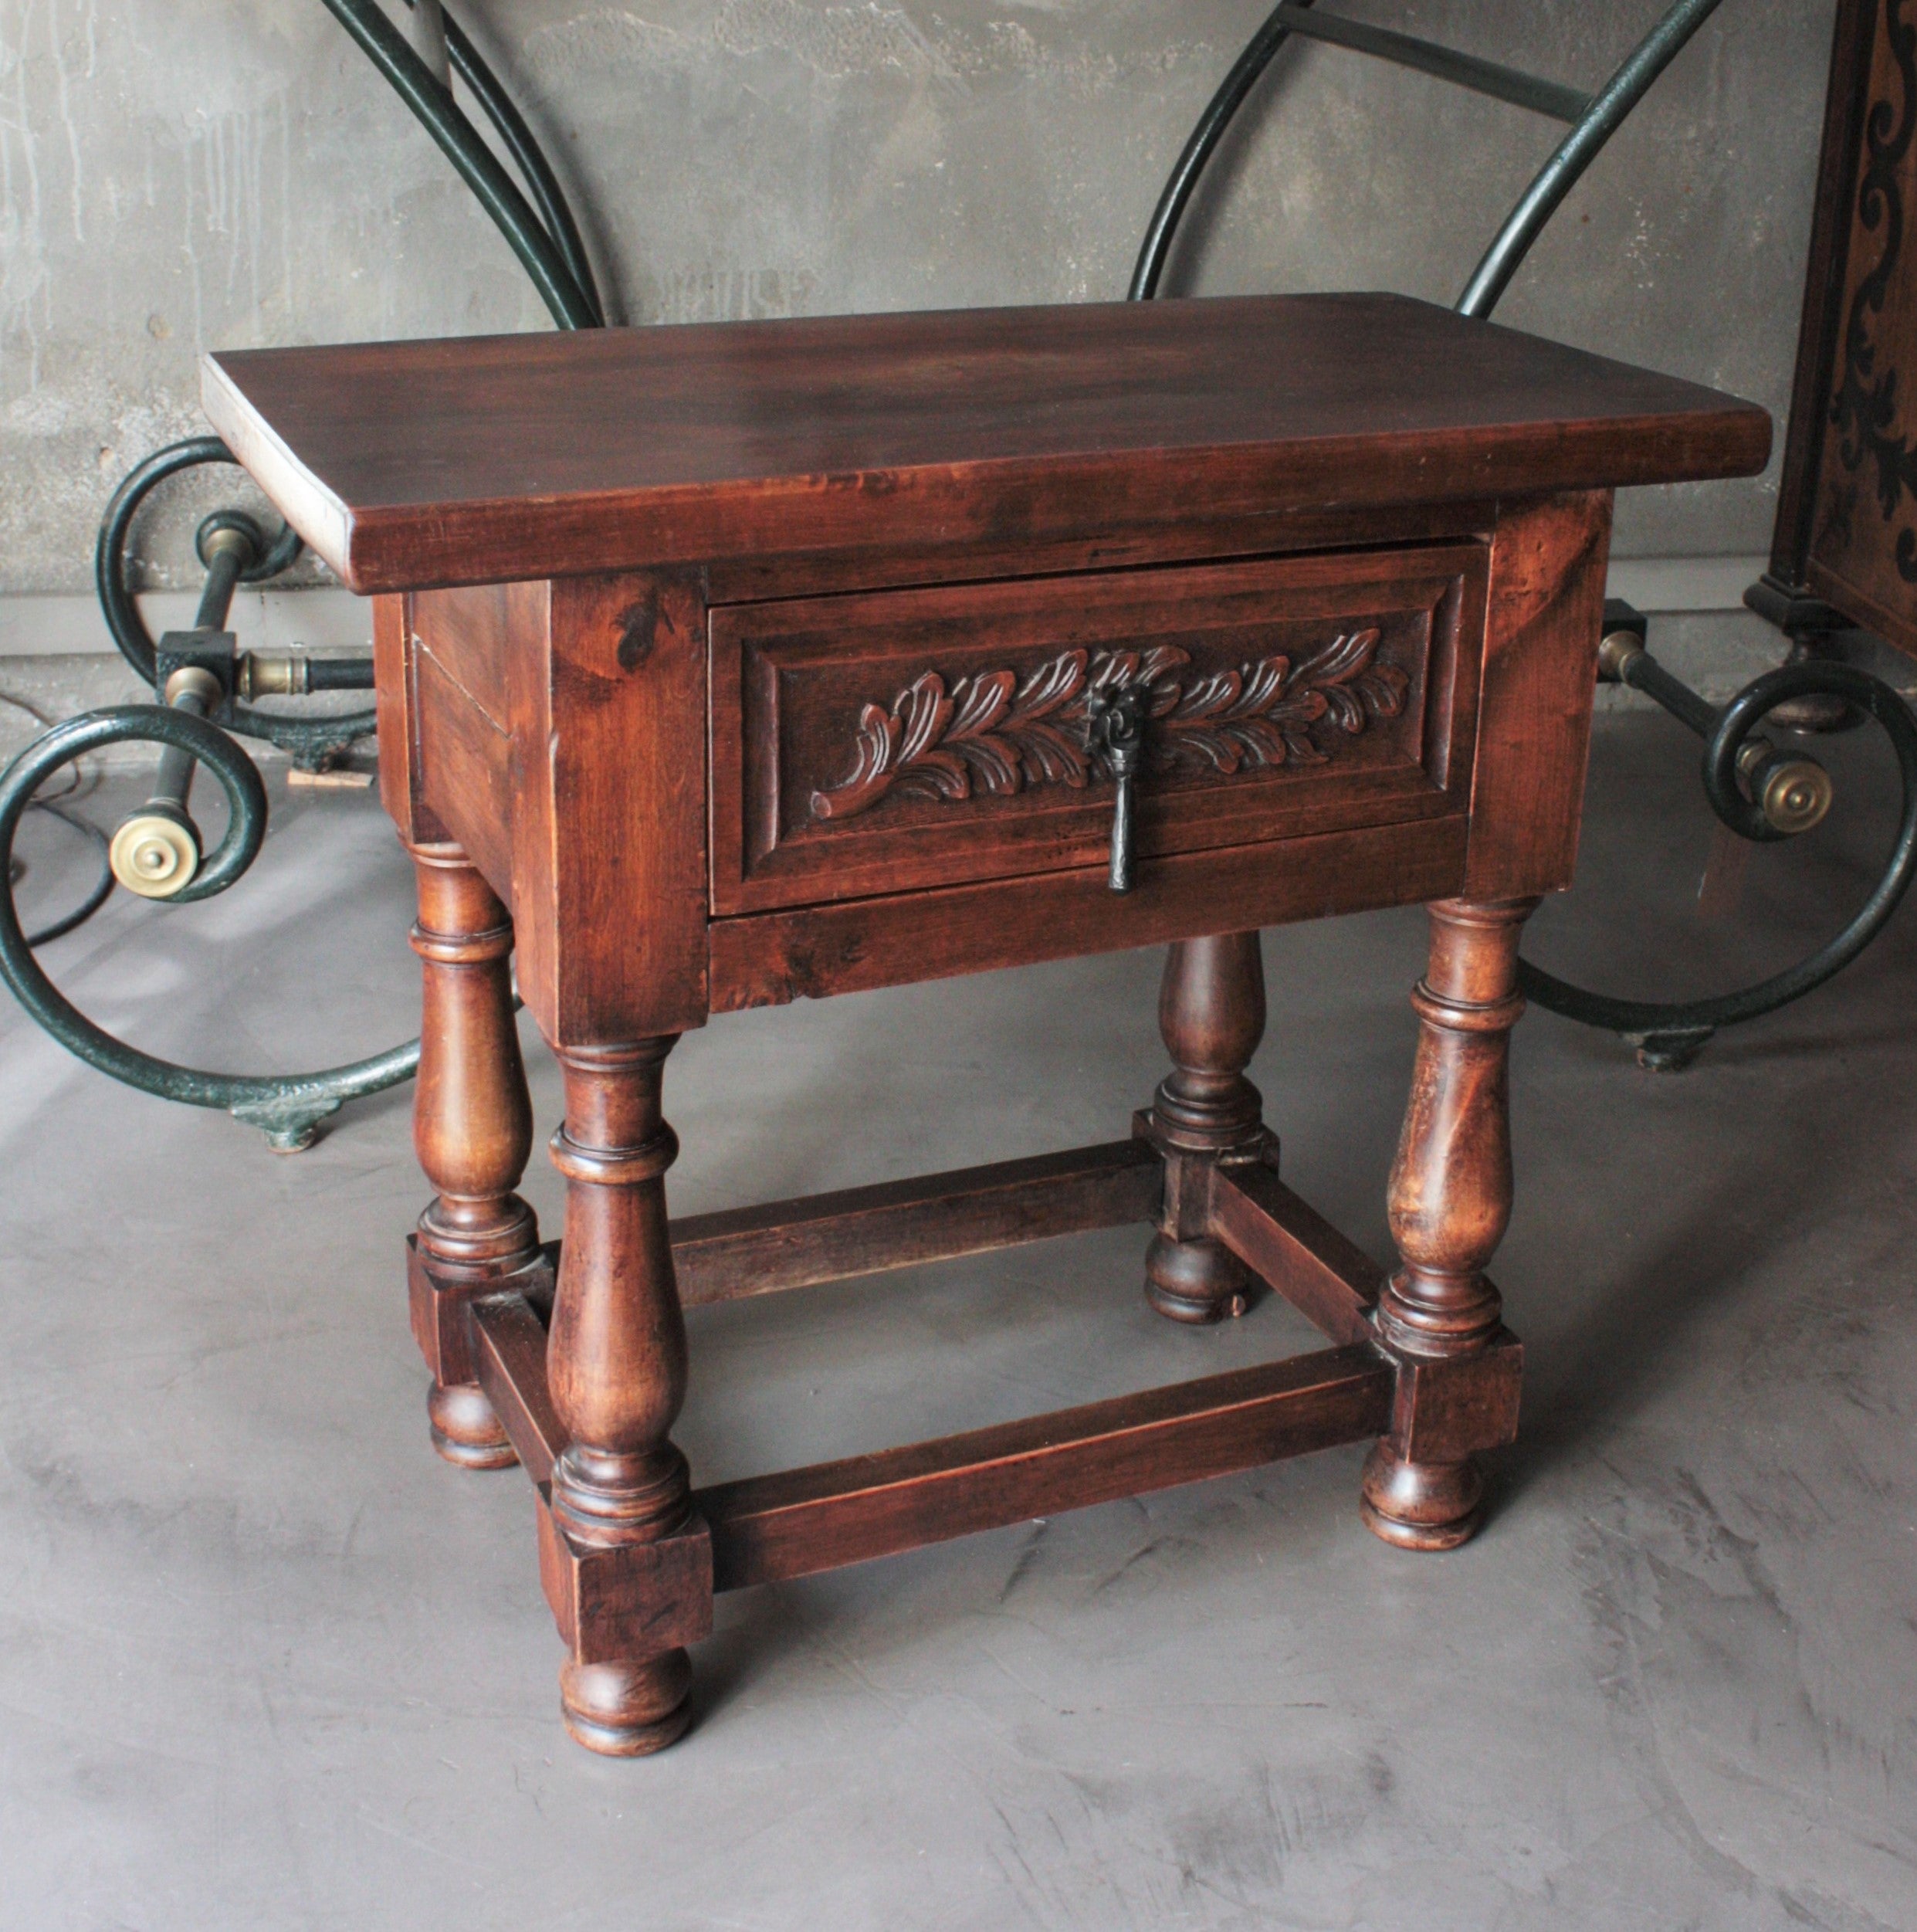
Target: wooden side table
{"points": [[723, 666]]}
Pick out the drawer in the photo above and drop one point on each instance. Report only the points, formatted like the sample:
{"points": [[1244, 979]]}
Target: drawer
{"points": [[894, 741]]}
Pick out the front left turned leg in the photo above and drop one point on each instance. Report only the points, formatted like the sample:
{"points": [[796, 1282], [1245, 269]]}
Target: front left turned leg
{"points": [[1458, 1366], [627, 1566], [472, 1129]]}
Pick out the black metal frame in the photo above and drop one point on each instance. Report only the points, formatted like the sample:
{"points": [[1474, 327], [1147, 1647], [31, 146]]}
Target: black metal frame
{"points": [[1594, 118], [1667, 1034], [287, 1108], [542, 231], [310, 740]]}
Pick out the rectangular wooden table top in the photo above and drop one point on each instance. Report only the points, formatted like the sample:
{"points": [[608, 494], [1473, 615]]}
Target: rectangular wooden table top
{"points": [[410, 465]]}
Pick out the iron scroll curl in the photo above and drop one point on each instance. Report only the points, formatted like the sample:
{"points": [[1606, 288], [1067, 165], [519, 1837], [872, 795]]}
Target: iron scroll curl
{"points": [[539, 225], [288, 1110], [1671, 1032], [305, 738]]}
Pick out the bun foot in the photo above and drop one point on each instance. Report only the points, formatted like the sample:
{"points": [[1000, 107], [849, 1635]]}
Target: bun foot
{"points": [[628, 1710], [465, 1429], [1195, 1281], [1421, 1506]]}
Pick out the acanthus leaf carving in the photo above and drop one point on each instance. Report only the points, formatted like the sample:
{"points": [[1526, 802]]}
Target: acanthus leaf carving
{"points": [[996, 733]]}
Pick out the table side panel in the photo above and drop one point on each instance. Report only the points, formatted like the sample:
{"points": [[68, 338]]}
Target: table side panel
{"points": [[399, 776], [470, 633], [1546, 617], [608, 715], [454, 645], [464, 758]]}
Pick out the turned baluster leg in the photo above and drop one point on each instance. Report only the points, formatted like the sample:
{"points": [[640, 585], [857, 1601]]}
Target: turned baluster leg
{"points": [[1450, 1203], [472, 1128], [616, 1366], [1212, 1013]]}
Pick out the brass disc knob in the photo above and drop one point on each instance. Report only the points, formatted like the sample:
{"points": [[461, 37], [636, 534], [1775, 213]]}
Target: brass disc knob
{"points": [[1797, 793], [155, 855], [1615, 653]]}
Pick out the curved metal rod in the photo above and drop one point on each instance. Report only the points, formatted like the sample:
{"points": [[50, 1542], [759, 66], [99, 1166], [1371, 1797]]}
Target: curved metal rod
{"points": [[1645, 1019], [116, 603], [551, 248], [302, 737], [436, 111], [555, 212], [102, 886], [1610, 107], [288, 1108], [1211, 129]]}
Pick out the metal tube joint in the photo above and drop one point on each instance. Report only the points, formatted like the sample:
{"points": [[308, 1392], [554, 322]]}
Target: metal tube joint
{"points": [[1793, 790]]}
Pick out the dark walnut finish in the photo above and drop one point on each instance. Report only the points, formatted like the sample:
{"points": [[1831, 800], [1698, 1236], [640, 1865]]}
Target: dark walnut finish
{"points": [[616, 1371], [728, 666], [865, 743], [472, 1129], [1450, 1203], [509, 458], [1207, 1115]]}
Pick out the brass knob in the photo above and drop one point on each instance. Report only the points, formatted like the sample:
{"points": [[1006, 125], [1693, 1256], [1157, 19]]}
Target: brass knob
{"points": [[1615, 653], [192, 687], [1798, 793], [155, 855], [243, 543]]}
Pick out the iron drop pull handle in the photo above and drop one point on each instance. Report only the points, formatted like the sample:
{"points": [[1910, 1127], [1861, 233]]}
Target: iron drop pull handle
{"points": [[1117, 726]]}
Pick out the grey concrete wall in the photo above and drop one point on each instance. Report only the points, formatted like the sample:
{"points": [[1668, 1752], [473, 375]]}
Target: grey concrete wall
{"points": [[182, 173]]}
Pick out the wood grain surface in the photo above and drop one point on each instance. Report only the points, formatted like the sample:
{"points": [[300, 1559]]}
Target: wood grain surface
{"points": [[411, 464]]}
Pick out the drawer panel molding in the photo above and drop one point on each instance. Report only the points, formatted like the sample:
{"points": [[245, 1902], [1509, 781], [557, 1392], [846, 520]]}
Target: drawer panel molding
{"points": [[880, 741]]}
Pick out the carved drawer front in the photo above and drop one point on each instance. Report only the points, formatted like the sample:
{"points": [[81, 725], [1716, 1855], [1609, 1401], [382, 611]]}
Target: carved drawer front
{"points": [[897, 740]]}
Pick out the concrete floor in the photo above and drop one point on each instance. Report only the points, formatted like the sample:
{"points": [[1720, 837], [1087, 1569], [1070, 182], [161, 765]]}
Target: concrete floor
{"points": [[265, 1661]]}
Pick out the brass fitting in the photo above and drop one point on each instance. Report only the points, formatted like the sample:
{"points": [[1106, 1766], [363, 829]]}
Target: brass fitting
{"points": [[271, 674], [195, 682], [155, 853], [1615, 653], [223, 537], [1793, 794], [1797, 793]]}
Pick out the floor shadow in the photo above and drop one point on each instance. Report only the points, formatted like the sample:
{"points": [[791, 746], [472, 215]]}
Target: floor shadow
{"points": [[1599, 1367]]}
